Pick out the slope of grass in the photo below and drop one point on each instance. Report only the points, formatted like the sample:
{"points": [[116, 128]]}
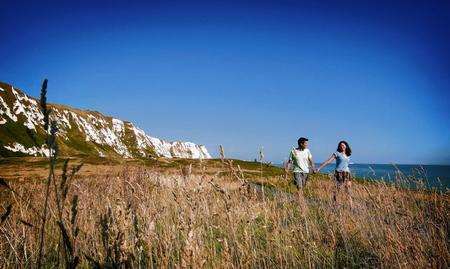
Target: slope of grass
{"points": [[152, 213]]}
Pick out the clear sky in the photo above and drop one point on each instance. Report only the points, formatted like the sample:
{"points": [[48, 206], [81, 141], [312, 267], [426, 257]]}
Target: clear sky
{"points": [[247, 74]]}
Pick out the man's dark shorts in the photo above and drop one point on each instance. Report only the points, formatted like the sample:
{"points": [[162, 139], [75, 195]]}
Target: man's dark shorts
{"points": [[300, 179]]}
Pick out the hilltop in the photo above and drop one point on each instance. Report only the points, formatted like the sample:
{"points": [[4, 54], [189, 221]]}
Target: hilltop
{"points": [[80, 132]]}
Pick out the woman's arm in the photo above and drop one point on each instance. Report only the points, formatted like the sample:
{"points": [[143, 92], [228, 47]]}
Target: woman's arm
{"points": [[327, 162]]}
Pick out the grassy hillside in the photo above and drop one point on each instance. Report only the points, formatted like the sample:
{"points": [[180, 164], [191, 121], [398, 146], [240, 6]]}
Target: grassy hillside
{"points": [[216, 214]]}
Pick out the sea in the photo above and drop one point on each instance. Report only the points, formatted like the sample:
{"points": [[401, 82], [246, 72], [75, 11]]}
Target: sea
{"points": [[409, 175]]}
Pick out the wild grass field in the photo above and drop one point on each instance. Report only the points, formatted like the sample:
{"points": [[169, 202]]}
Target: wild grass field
{"points": [[211, 214]]}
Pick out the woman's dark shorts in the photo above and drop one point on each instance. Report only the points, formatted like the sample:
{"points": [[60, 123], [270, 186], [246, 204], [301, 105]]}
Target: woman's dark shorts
{"points": [[342, 177]]}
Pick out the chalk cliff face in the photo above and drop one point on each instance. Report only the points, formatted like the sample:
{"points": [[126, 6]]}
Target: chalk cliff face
{"points": [[80, 132]]}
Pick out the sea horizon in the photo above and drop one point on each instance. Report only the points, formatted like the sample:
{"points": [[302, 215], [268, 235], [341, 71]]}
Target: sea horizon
{"points": [[435, 176]]}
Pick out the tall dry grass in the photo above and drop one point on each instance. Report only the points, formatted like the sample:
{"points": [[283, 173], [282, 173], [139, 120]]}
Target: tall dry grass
{"points": [[139, 218]]}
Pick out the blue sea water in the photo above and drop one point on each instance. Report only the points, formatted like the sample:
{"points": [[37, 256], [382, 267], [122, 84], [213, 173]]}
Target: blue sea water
{"points": [[431, 176]]}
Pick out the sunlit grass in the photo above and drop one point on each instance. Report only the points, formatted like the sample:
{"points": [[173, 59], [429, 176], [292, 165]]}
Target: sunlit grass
{"points": [[141, 217]]}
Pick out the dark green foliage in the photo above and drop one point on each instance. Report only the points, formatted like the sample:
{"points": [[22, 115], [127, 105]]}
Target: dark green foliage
{"points": [[16, 132], [350, 253]]}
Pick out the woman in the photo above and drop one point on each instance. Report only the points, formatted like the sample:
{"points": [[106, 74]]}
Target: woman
{"points": [[342, 174]]}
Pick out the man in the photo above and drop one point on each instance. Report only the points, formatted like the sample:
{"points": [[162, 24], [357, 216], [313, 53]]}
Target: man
{"points": [[302, 163]]}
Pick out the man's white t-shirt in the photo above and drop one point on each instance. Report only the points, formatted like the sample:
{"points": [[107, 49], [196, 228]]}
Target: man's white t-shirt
{"points": [[300, 160]]}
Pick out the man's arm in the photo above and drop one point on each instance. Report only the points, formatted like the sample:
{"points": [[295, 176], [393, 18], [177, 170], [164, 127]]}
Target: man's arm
{"points": [[311, 164], [289, 161], [286, 164], [332, 157]]}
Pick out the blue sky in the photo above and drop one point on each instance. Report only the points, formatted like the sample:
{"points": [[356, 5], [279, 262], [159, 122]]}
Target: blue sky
{"points": [[247, 74]]}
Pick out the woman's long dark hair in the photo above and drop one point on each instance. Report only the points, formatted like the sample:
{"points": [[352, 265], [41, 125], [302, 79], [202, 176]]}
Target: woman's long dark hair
{"points": [[348, 150]]}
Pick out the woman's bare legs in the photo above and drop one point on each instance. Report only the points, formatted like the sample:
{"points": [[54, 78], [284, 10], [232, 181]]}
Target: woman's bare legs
{"points": [[336, 191], [348, 185]]}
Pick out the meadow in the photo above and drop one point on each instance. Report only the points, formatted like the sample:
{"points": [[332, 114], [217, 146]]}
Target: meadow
{"points": [[221, 213]]}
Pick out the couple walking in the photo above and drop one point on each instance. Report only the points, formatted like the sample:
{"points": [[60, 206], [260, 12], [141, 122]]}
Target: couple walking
{"points": [[300, 159]]}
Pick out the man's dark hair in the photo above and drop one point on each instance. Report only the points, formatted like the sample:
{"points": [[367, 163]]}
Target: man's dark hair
{"points": [[348, 150], [301, 140]]}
